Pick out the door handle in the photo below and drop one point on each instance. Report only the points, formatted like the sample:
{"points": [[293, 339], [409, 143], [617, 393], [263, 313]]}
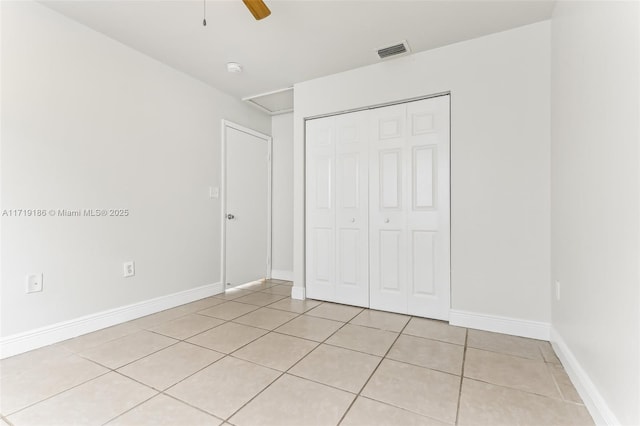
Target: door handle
{"points": [[386, 220], [230, 216]]}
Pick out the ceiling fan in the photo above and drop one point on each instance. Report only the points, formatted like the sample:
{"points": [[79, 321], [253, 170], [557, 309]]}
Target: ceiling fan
{"points": [[258, 9]]}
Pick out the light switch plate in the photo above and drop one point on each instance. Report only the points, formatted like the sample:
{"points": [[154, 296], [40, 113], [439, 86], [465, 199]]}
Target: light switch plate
{"points": [[214, 192]]}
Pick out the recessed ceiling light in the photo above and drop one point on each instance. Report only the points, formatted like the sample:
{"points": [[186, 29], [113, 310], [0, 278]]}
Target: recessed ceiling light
{"points": [[234, 67]]}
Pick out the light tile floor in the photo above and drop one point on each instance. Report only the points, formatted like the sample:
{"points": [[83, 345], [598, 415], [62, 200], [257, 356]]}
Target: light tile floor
{"points": [[256, 357]]}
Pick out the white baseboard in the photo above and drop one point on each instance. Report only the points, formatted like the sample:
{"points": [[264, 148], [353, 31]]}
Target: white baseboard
{"points": [[498, 324], [33, 339], [278, 274], [298, 292], [593, 400]]}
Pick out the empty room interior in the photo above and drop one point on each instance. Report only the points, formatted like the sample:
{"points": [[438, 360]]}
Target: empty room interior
{"points": [[385, 212]]}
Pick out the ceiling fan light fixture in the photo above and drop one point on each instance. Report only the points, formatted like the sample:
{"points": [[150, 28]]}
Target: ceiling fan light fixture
{"points": [[258, 9]]}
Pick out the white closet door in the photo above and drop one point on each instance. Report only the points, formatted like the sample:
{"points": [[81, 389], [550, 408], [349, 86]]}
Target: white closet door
{"points": [[320, 209], [337, 209], [387, 209], [409, 208], [428, 224], [352, 209]]}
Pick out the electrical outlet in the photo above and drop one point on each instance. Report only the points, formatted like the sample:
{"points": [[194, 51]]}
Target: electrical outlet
{"points": [[557, 290], [34, 283], [214, 192], [129, 269]]}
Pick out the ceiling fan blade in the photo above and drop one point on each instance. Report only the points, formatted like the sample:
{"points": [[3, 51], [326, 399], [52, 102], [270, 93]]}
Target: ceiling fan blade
{"points": [[258, 9]]}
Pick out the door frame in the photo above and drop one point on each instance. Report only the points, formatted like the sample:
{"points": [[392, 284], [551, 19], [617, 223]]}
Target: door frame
{"points": [[226, 124]]}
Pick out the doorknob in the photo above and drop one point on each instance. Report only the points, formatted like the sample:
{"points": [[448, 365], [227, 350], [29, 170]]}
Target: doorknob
{"points": [[386, 220], [230, 216], [353, 219]]}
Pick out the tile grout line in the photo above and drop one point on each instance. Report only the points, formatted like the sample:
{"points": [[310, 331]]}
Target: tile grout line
{"points": [[464, 360], [163, 391], [293, 365], [374, 371]]}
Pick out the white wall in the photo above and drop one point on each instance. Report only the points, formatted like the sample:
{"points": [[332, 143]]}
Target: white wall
{"points": [[595, 211], [282, 230], [499, 88], [88, 123]]}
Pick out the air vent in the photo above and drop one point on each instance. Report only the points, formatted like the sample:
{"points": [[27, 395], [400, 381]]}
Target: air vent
{"points": [[396, 49]]}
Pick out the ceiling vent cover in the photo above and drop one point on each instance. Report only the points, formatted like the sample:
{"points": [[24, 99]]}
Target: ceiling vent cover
{"points": [[396, 49]]}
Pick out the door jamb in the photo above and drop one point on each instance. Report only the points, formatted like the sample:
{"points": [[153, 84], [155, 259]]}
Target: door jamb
{"points": [[226, 124]]}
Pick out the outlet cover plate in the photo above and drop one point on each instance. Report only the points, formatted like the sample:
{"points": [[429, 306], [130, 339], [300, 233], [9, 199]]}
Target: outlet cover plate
{"points": [[34, 283], [128, 269]]}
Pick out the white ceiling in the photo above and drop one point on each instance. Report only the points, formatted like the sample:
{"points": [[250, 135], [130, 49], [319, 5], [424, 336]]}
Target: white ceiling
{"points": [[301, 40]]}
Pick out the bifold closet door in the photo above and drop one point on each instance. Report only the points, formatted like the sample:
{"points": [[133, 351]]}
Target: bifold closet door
{"points": [[409, 208], [337, 245]]}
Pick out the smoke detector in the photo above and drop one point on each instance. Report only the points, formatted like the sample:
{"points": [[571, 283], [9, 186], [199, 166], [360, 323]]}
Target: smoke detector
{"points": [[234, 67], [395, 49]]}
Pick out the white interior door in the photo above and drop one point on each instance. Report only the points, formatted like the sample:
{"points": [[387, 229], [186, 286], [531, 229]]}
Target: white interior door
{"points": [[377, 208], [409, 222], [247, 209], [337, 209]]}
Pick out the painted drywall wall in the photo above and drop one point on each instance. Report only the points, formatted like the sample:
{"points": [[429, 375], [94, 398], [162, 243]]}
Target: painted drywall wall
{"points": [[88, 123], [499, 88], [595, 211], [282, 239]]}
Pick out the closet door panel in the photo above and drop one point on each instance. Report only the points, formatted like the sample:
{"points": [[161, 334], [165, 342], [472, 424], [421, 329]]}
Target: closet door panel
{"points": [[320, 208], [387, 216], [352, 203], [428, 208]]}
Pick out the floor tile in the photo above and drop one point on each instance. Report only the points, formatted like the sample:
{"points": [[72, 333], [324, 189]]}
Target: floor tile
{"points": [[486, 404], [548, 353], [162, 410], [85, 404], [205, 303], [228, 310], [257, 285], [292, 305], [168, 366], [283, 290], [568, 391], [232, 293], [337, 367], [421, 390], [281, 282], [116, 353], [428, 353], [294, 401], [41, 380], [91, 340], [260, 299], [224, 387], [277, 351], [334, 311], [382, 320], [227, 337], [510, 345], [363, 339], [160, 317], [187, 326], [367, 412], [437, 330], [266, 318], [312, 328], [44, 356], [510, 371]]}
